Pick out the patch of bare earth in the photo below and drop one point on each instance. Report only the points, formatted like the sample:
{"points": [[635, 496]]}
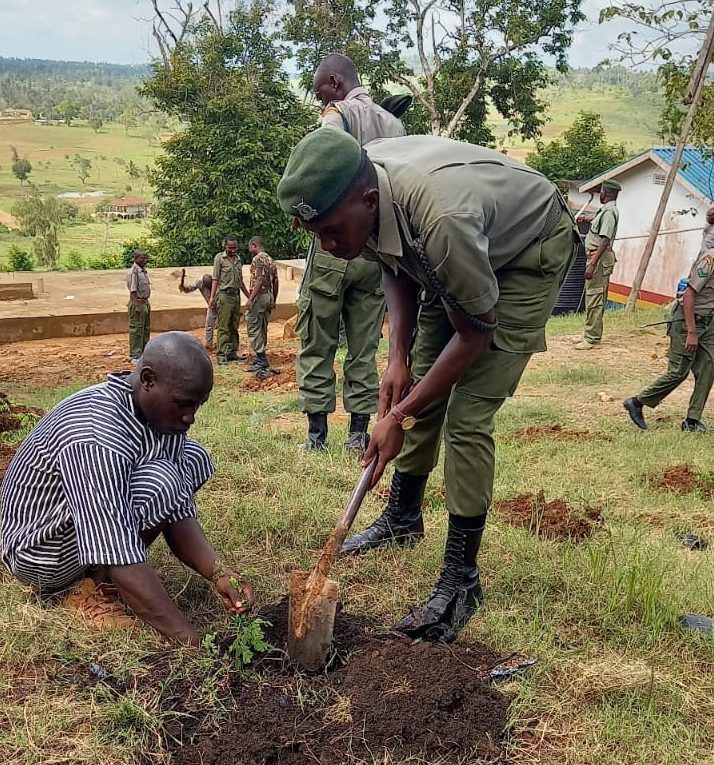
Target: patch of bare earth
{"points": [[554, 519], [555, 433], [681, 479]]}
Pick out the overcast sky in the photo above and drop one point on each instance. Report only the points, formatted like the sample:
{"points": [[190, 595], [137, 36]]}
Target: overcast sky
{"points": [[117, 31]]}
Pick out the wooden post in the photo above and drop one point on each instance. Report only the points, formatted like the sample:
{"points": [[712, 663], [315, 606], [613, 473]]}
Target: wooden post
{"points": [[694, 91]]}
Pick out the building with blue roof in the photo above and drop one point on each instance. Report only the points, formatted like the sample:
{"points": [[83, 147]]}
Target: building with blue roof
{"points": [[679, 242]]}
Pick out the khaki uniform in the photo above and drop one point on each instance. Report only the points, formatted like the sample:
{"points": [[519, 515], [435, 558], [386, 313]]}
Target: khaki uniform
{"points": [[257, 318], [477, 230], [137, 280], [352, 290], [681, 363], [227, 272], [603, 224], [211, 313]]}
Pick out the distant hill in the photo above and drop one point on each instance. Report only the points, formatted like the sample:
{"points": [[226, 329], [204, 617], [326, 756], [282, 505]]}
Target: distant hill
{"points": [[102, 91], [71, 71]]}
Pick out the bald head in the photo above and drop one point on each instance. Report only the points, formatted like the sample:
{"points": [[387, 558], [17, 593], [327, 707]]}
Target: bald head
{"points": [[334, 78], [173, 377]]}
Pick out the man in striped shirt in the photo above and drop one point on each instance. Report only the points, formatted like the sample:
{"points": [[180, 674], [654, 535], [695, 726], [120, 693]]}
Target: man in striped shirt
{"points": [[101, 476]]}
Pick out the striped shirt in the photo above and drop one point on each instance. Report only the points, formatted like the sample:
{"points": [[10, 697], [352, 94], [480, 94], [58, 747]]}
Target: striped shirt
{"points": [[68, 501]]}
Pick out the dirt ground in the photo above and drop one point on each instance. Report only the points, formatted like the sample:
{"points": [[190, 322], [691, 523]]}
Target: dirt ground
{"points": [[49, 363], [554, 519], [681, 479], [12, 418], [393, 699], [555, 433]]}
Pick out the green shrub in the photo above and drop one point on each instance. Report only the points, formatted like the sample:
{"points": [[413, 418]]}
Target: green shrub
{"points": [[20, 260], [74, 261], [105, 262], [4, 229]]}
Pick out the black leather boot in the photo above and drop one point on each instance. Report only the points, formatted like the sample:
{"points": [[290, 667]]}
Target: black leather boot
{"points": [[358, 438], [259, 363], [316, 431], [401, 522], [457, 593]]}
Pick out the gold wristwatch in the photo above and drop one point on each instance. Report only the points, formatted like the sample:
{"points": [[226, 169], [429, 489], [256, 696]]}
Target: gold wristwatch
{"points": [[406, 421]]}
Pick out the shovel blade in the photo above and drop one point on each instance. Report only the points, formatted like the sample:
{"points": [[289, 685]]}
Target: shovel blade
{"points": [[311, 625]]}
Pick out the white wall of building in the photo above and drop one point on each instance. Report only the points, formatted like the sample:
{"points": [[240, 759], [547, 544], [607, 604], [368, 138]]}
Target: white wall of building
{"points": [[675, 252]]}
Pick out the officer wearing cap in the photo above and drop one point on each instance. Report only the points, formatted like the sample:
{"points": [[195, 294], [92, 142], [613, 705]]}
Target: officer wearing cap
{"points": [[600, 263], [474, 247], [336, 292]]}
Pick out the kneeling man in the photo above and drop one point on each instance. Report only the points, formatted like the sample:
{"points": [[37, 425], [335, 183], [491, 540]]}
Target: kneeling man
{"points": [[101, 476]]}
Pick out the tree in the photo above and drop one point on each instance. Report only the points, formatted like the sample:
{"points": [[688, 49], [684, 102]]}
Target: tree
{"points": [[669, 34], [581, 152], [96, 124], [82, 166], [41, 217], [67, 111], [222, 77], [21, 166], [466, 53], [128, 119]]}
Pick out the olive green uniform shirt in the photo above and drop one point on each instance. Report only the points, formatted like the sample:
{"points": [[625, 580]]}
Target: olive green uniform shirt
{"points": [[227, 272], [471, 210], [361, 117], [137, 280], [701, 280], [603, 224]]}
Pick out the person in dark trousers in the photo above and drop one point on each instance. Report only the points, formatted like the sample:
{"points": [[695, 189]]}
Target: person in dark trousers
{"points": [[691, 349], [474, 247]]}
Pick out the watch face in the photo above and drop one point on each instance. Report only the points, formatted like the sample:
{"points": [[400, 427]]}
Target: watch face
{"points": [[408, 422]]}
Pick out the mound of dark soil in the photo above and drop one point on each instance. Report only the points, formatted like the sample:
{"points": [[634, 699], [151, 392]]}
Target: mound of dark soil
{"points": [[11, 415], [549, 520], [555, 433], [681, 479], [388, 699]]}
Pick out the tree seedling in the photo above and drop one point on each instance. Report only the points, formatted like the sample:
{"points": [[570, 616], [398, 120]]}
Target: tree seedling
{"points": [[248, 640]]}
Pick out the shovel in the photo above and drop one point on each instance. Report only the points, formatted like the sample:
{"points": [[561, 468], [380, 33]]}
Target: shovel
{"points": [[313, 597]]}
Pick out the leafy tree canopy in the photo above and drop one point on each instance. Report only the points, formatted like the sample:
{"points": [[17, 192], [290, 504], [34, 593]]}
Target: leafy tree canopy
{"points": [[220, 173], [580, 153]]}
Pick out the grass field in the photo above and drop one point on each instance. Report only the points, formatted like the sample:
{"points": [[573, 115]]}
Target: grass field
{"points": [[50, 149], [627, 118], [618, 682]]}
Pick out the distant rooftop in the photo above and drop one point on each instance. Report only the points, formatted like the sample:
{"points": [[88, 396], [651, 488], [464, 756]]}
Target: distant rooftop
{"points": [[696, 170]]}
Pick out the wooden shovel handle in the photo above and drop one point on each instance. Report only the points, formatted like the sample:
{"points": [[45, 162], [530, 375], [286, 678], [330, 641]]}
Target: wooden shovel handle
{"points": [[334, 543]]}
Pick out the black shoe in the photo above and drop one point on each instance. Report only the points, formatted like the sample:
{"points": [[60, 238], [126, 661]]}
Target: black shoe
{"points": [[259, 363], [358, 438], [694, 426], [224, 362], [633, 407], [457, 593], [237, 357], [316, 431], [401, 522]]}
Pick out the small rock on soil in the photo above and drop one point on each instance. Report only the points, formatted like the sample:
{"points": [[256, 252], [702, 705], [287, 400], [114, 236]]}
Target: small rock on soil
{"points": [[549, 520]]}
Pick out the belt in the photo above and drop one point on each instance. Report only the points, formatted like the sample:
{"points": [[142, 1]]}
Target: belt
{"points": [[229, 290], [552, 217]]}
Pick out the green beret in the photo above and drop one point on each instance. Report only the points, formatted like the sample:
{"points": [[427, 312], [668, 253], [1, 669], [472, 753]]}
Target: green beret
{"points": [[320, 171], [610, 186]]}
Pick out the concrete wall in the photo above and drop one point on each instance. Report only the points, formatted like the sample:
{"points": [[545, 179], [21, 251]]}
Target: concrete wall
{"points": [[674, 253], [15, 329]]}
